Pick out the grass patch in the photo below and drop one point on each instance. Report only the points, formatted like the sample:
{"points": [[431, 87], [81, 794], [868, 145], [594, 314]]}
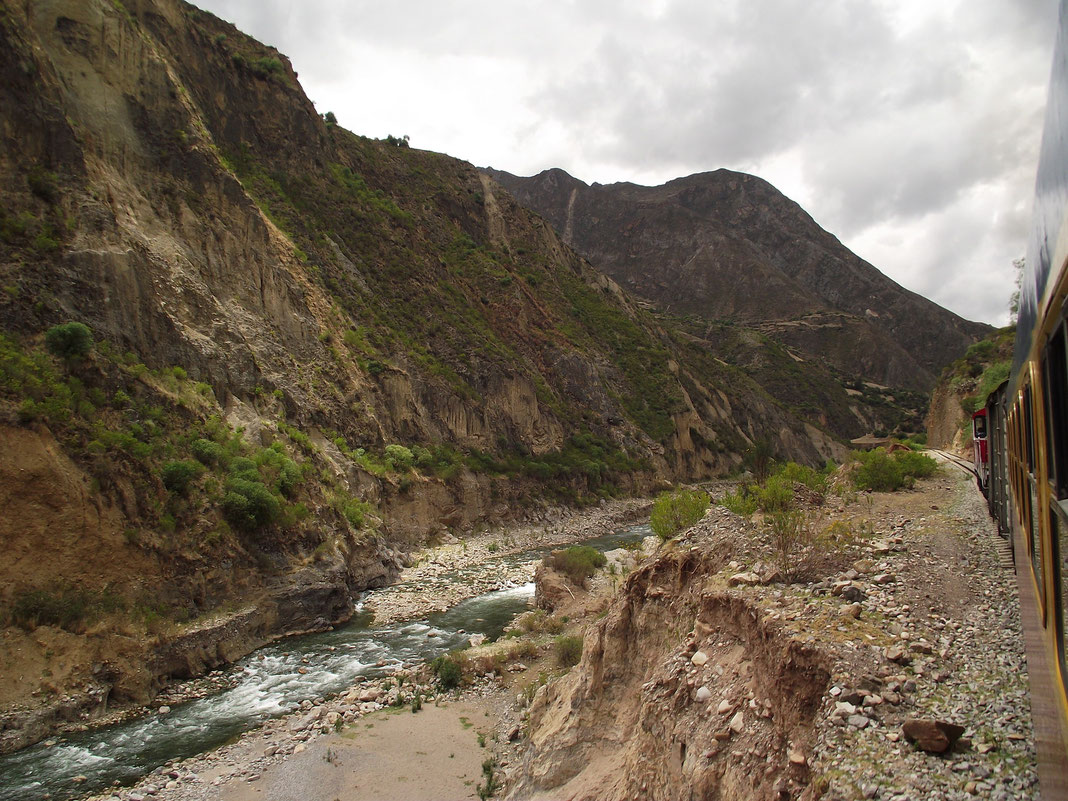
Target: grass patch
{"points": [[674, 511], [578, 563]]}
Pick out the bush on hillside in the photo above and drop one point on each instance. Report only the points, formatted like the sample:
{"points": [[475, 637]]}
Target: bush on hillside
{"points": [[568, 651], [449, 669], [883, 472], [206, 451], [578, 563], [249, 505], [177, 475], [69, 341], [674, 511], [399, 457]]}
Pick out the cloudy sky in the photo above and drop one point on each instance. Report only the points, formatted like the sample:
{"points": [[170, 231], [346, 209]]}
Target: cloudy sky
{"points": [[907, 128]]}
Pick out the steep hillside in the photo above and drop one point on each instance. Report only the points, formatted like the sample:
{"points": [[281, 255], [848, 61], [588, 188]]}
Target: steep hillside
{"points": [[728, 246], [963, 388], [310, 350]]}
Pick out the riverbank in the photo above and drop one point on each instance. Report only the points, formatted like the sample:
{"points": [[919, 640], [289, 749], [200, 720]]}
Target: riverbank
{"points": [[440, 576], [287, 674]]}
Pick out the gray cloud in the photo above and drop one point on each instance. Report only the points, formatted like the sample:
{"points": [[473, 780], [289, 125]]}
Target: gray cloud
{"points": [[885, 119]]}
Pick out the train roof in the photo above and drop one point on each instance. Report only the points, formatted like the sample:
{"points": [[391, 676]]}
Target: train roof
{"points": [[1048, 245]]}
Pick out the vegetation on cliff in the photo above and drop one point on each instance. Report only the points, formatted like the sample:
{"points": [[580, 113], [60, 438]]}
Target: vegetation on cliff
{"points": [[965, 384]]}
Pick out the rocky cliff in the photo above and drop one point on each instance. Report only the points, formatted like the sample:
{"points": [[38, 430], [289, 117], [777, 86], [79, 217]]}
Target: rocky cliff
{"points": [[728, 246], [309, 351], [963, 388]]}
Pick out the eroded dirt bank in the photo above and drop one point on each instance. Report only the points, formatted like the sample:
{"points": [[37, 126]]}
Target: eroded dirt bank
{"points": [[710, 678]]}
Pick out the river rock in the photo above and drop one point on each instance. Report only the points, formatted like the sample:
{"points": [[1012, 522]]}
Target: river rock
{"points": [[747, 579]]}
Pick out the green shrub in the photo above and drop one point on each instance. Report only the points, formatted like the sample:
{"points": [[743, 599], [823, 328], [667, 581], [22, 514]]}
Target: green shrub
{"points": [[568, 650], [356, 512], [249, 505], [674, 511], [488, 789], [243, 467], [578, 562], [883, 472], [877, 472], [206, 451], [802, 474], [776, 496], [789, 530], [399, 457], [177, 475], [69, 341], [266, 66], [449, 670], [742, 501], [915, 464], [759, 457], [44, 184], [67, 608]]}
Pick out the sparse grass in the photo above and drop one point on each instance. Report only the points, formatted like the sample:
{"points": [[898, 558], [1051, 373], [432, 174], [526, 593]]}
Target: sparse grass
{"points": [[568, 651], [578, 562]]}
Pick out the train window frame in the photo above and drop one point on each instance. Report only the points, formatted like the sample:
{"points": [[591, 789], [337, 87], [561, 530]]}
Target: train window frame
{"points": [[1058, 515], [1055, 370], [1029, 427]]}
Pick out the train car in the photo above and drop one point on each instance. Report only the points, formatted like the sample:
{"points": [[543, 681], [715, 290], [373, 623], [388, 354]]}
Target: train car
{"points": [[980, 451], [1027, 425]]}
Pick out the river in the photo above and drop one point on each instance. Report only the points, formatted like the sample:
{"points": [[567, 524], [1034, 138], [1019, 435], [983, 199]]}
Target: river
{"points": [[269, 682]]}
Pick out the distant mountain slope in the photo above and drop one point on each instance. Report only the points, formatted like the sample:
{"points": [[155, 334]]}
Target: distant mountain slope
{"points": [[728, 246]]}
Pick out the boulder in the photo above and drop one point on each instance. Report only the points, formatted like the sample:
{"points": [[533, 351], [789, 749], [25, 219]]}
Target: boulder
{"points": [[933, 736]]}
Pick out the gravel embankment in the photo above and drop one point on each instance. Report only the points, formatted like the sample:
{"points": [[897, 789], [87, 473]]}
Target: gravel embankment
{"points": [[955, 654]]}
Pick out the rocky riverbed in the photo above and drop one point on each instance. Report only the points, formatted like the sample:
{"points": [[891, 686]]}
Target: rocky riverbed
{"points": [[441, 576]]}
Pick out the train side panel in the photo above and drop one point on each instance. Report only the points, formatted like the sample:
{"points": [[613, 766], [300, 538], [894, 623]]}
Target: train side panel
{"points": [[1027, 423]]}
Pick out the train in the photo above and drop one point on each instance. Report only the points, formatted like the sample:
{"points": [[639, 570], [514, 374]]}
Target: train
{"points": [[1020, 440]]}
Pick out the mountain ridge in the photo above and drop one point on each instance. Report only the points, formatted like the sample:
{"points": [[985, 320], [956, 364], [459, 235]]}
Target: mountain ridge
{"points": [[728, 245]]}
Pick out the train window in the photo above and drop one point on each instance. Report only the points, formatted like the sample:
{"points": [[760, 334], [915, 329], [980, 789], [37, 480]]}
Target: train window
{"points": [[1028, 432], [1034, 519], [1057, 411], [1059, 527]]}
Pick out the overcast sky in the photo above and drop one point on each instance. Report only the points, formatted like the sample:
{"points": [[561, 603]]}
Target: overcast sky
{"points": [[907, 128]]}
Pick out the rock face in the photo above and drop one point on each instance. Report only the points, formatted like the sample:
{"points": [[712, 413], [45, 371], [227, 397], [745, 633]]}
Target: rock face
{"points": [[725, 245], [964, 385]]}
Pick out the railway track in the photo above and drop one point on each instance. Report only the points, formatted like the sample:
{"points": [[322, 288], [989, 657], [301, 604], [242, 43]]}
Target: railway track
{"points": [[955, 460], [1004, 545]]}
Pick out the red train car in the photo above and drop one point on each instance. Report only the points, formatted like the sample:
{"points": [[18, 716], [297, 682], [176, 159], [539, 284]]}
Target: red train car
{"points": [[980, 451]]}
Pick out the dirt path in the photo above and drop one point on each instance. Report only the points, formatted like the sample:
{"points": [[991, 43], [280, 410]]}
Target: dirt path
{"points": [[394, 754]]}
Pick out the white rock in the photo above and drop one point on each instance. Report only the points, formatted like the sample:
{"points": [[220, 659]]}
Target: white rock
{"points": [[737, 724], [700, 659], [704, 694], [724, 707]]}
